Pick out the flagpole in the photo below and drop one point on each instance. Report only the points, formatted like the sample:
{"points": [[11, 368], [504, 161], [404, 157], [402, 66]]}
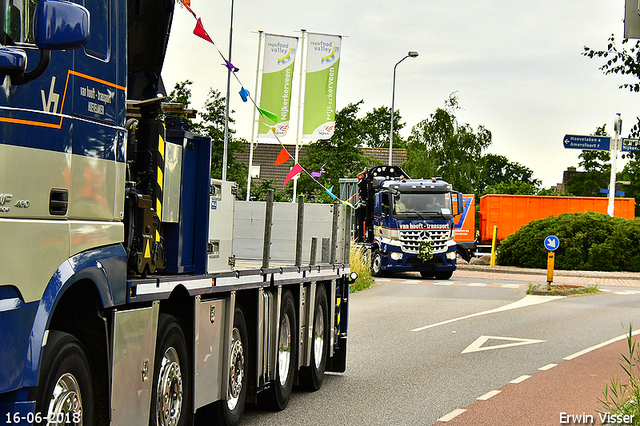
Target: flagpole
{"points": [[226, 114], [303, 66], [254, 128]]}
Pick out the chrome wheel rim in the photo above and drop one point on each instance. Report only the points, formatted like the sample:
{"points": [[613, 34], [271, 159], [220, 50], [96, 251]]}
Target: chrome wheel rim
{"points": [[66, 402], [377, 263], [236, 370], [169, 389], [284, 350], [318, 337]]}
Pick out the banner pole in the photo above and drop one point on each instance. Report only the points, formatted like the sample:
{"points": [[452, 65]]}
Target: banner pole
{"points": [[255, 115], [303, 70]]}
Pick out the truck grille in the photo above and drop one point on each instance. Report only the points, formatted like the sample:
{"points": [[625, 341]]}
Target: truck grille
{"points": [[410, 239]]}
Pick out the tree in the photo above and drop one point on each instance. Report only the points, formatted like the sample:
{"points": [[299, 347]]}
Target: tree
{"points": [[211, 124], [376, 126], [342, 155], [498, 175], [440, 146]]}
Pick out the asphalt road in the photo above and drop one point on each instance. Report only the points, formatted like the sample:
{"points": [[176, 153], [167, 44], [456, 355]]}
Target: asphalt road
{"points": [[419, 350]]}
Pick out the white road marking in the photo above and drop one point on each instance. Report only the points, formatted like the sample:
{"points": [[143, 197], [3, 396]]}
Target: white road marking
{"points": [[528, 300], [455, 413], [476, 346], [488, 395], [520, 379], [477, 284], [598, 346], [510, 286], [547, 367]]}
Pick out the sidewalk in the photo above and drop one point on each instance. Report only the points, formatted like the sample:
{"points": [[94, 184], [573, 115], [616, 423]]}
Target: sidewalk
{"points": [[538, 276], [566, 393]]}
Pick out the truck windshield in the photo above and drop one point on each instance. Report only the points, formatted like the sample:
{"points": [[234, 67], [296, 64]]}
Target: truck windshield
{"points": [[431, 204]]}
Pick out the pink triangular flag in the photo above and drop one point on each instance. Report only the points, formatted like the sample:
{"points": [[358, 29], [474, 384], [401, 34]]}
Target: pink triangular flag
{"points": [[200, 31], [294, 171]]}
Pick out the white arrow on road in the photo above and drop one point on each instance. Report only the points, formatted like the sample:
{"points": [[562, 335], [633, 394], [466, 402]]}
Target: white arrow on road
{"points": [[477, 345]]}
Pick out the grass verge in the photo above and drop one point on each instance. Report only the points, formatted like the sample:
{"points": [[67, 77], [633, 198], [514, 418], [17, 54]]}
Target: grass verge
{"points": [[360, 264]]}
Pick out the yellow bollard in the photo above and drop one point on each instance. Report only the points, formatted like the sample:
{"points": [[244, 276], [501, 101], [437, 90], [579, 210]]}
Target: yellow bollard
{"points": [[550, 261], [493, 247]]}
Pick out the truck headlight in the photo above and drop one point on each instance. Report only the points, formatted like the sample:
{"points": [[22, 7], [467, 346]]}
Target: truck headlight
{"points": [[451, 255], [396, 255]]}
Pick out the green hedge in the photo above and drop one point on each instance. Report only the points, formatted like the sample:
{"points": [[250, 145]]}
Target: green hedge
{"points": [[588, 241]]}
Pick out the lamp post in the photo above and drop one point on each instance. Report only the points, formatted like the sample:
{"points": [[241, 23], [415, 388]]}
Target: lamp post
{"points": [[411, 54]]}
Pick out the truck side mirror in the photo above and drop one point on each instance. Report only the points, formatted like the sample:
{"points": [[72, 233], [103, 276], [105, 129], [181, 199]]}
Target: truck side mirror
{"points": [[60, 25], [460, 203], [57, 25]]}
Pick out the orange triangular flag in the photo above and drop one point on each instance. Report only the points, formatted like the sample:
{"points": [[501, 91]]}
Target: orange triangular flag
{"points": [[282, 157]]}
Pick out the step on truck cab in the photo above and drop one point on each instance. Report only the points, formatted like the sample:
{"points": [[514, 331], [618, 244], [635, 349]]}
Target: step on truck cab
{"points": [[407, 224], [120, 299]]}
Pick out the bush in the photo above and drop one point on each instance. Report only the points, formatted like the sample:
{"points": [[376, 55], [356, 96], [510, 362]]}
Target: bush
{"points": [[588, 241]]}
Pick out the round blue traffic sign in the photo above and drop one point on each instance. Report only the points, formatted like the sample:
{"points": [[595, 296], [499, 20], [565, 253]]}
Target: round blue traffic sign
{"points": [[551, 243]]}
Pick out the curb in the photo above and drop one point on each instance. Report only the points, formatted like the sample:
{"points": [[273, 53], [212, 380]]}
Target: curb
{"points": [[543, 272]]}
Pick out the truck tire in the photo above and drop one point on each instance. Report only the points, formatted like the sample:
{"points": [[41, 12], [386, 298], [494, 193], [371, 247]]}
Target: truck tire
{"points": [[311, 376], [426, 274], [277, 396], [171, 379], [230, 409], [65, 392], [376, 263], [442, 275]]}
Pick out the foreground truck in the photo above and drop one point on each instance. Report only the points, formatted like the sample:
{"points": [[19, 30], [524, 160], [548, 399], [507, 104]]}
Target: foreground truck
{"points": [[120, 301], [508, 213], [407, 224]]}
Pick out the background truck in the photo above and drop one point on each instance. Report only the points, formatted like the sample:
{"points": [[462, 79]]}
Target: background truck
{"points": [[397, 214], [120, 298], [510, 212]]}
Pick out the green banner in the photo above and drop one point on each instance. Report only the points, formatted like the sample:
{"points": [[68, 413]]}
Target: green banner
{"points": [[323, 61], [277, 78]]}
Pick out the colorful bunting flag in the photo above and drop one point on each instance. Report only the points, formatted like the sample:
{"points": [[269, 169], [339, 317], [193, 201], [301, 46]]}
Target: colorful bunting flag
{"points": [[282, 157], [230, 66], [271, 116], [318, 174], [294, 171], [244, 94], [330, 192], [200, 31]]}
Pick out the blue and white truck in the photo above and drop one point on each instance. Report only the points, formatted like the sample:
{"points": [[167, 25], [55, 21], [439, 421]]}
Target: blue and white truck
{"points": [[120, 301], [407, 224]]}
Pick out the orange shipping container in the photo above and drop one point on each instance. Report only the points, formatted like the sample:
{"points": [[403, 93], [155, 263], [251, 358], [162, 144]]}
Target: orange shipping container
{"points": [[510, 212]]}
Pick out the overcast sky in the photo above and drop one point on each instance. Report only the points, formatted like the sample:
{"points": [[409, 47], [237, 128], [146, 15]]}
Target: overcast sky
{"points": [[517, 67]]}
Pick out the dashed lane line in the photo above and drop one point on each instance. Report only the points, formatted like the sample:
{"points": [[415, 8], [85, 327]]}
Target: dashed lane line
{"points": [[488, 395], [452, 415]]}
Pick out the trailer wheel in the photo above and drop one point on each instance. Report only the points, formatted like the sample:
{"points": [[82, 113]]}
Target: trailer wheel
{"points": [[442, 275], [65, 393], [311, 376], [171, 389], [376, 263], [230, 409], [277, 396]]}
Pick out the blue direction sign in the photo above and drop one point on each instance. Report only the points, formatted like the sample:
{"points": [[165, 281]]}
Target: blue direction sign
{"points": [[551, 243], [629, 145], [598, 143]]}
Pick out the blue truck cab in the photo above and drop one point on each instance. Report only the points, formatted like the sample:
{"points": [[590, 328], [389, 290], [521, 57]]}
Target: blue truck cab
{"points": [[407, 224]]}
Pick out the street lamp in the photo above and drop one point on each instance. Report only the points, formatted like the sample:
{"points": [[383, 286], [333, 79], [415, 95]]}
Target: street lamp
{"points": [[411, 54]]}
